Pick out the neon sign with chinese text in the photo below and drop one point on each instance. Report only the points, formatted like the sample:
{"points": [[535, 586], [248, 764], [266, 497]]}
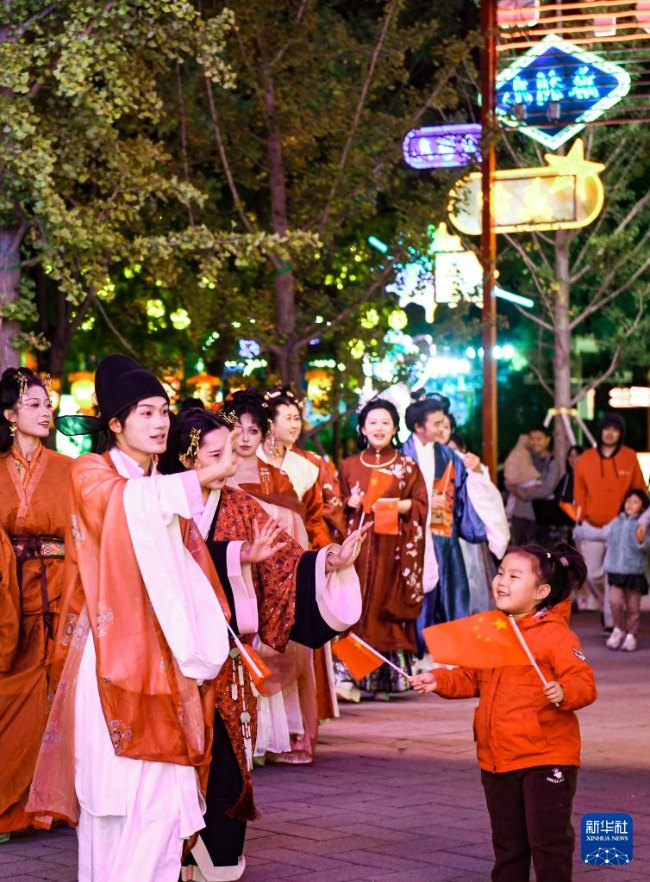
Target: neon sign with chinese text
{"points": [[564, 195], [552, 91], [442, 146]]}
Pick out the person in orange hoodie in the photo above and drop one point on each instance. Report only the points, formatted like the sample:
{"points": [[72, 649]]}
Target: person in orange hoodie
{"points": [[527, 735], [603, 477]]}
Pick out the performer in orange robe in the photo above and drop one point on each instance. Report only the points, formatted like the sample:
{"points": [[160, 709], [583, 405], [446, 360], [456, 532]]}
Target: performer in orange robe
{"points": [[143, 635], [34, 512], [286, 593], [391, 561]]}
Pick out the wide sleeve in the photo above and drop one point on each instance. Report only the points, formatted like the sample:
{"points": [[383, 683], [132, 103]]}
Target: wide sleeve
{"points": [[411, 533], [468, 522], [488, 504], [315, 524], [572, 672], [9, 604], [456, 683], [183, 598]]}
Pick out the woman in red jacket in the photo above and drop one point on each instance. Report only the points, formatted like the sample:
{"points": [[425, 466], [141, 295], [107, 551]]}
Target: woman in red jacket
{"points": [[527, 735]]}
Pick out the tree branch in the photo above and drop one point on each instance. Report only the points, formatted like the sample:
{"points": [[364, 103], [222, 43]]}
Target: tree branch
{"points": [[280, 55], [541, 379], [377, 284], [225, 164], [183, 122], [598, 304], [390, 9]]}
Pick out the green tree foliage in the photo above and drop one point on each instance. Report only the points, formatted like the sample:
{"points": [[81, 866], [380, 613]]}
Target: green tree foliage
{"points": [[87, 182]]}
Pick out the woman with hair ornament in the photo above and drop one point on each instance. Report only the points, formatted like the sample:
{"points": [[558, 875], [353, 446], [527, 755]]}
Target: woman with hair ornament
{"points": [[34, 519], [275, 589], [382, 486]]}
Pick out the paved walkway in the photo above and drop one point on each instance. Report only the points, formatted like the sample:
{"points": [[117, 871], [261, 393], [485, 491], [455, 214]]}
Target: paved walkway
{"points": [[395, 794]]}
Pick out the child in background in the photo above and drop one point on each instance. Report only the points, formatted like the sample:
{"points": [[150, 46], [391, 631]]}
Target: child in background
{"points": [[527, 735], [625, 562]]}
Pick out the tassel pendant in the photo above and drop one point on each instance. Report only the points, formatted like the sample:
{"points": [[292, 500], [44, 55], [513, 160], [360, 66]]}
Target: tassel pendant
{"points": [[245, 719]]}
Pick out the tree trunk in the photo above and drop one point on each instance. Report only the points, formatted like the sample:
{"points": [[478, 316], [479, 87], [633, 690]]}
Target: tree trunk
{"points": [[285, 284], [562, 344], [10, 239]]}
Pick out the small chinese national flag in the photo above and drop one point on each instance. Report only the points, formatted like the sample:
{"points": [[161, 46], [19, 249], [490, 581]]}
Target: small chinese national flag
{"points": [[359, 658], [387, 517], [254, 664], [484, 640], [378, 486]]}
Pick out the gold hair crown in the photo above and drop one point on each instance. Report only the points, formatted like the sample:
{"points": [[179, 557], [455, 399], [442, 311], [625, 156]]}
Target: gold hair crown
{"points": [[189, 457]]}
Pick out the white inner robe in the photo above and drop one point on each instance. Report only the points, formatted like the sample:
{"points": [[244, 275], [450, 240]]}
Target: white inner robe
{"points": [[134, 814]]}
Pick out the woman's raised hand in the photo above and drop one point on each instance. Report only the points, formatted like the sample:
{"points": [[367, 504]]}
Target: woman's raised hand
{"points": [[265, 543]]}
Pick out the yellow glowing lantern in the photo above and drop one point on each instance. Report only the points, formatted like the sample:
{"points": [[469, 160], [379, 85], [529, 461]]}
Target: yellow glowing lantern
{"points": [[319, 386], [205, 386], [82, 389], [564, 195]]}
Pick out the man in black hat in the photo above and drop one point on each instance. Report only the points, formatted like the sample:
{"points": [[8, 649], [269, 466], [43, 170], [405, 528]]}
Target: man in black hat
{"points": [[603, 476]]}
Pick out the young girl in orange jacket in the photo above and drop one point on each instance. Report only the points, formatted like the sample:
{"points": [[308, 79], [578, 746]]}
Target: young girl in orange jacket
{"points": [[527, 735]]}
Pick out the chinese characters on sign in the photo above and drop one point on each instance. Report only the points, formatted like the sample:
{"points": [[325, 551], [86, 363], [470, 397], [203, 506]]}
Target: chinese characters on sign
{"points": [[450, 146], [555, 88]]}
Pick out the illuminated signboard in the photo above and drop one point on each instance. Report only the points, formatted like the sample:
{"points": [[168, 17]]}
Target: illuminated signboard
{"points": [[555, 88], [564, 195], [450, 146]]}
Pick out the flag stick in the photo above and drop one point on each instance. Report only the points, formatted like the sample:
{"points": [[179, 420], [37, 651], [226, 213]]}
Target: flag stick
{"points": [[386, 661], [242, 652], [524, 646], [357, 544]]}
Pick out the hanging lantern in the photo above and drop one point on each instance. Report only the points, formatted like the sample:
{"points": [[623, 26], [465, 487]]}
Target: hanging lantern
{"points": [[82, 389], [319, 386], [206, 386]]}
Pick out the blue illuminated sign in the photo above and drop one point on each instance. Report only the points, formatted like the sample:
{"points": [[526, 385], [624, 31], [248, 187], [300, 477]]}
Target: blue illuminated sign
{"points": [[555, 88]]}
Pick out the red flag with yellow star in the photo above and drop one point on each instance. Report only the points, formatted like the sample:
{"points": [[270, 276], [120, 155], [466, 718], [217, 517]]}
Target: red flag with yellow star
{"points": [[484, 640]]}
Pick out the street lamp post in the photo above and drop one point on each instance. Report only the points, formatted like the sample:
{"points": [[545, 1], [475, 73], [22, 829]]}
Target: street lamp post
{"points": [[488, 236]]}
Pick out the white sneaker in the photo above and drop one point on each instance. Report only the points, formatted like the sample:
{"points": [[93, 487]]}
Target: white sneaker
{"points": [[616, 638], [629, 644]]}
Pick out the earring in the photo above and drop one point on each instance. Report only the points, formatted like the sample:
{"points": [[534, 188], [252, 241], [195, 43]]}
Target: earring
{"points": [[13, 428], [275, 449]]}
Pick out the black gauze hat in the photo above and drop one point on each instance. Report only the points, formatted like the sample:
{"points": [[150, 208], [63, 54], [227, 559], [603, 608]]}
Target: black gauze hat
{"points": [[119, 383]]}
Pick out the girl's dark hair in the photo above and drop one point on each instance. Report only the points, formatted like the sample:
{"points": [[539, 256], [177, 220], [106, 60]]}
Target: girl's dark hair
{"points": [[640, 494], [452, 422], [561, 567], [12, 383], [576, 448], [277, 396], [180, 435], [248, 401], [459, 441], [375, 404]]}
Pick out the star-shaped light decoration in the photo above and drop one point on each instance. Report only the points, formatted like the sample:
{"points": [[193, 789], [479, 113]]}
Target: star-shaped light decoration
{"points": [[565, 194]]}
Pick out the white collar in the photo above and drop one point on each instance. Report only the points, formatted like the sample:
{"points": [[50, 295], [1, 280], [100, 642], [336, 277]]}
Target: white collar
{"points": [[126, 466]]}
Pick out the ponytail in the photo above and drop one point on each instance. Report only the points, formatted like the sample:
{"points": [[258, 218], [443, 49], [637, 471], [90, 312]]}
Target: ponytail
{"points": [[561, 567]]}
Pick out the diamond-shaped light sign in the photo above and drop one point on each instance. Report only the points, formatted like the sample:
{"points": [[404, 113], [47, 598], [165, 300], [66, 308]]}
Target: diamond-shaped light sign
{"points": [[552, 91]]}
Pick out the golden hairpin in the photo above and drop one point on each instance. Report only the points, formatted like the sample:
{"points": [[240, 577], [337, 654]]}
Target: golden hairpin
{"points": [[189, 457], [229, 417], [47, 384], [23, 384]]}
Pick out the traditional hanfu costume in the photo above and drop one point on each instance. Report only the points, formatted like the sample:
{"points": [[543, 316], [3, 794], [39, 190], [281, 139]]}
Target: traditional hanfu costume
{"points": [[447, 594], [390, 562], [295, 711], [34, 512], [287, 600], [143, 635]]}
